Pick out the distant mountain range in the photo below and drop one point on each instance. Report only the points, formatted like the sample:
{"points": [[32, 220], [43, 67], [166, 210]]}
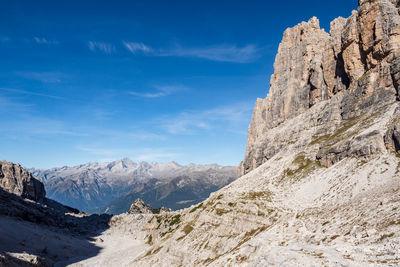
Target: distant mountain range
{"points": [[112, 187]]}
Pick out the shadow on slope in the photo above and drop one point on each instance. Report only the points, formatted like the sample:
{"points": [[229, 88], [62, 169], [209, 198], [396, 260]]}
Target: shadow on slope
{"points": [[55, 233]]}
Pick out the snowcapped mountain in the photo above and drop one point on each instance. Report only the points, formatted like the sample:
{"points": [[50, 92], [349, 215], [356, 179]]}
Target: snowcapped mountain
{"points": [[92, 186]]}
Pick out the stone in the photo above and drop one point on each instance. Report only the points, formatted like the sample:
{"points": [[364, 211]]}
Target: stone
{"points": [[16, 180]]}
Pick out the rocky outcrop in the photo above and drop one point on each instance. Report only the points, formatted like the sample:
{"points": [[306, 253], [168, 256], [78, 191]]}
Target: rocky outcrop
{"points": [[356, 67], [16, 180], [139, 207], [392, 136], [37, 231]]}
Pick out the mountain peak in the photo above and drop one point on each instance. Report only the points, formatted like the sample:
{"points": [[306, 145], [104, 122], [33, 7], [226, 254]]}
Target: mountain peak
{"points": [[358, 62]]}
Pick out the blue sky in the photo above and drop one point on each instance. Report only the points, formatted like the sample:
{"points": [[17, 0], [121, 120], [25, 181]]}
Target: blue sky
{"points": [[98, 80]]}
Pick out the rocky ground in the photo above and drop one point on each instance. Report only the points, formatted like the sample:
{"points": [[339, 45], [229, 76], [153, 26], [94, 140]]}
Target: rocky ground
{"points": [[294, 211]]}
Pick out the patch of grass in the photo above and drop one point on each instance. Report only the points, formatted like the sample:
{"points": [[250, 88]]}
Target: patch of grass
{"points": [[240, 259], [220, 212], [259, 195], [318, 255], [289, 172], [325, 223], [231, 204], [334, 237], [333, 138], [187, 229], [270, 210], [362, 76], [220, 196], [152, 251], [176, 219], [150, 240], [304, 167], [394, 208], [196, 208], [260, 213], [319, 139], [386, 236]]}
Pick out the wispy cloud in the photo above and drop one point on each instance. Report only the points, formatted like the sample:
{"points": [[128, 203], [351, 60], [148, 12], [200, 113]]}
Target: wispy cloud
{"points": [[160, 91], [28, 126], [130, 135], [156, 157], [10, 106], [45, 77], [144, 154], [102, 47], [227, 118], [24, 92], [137, 47], [98, 151], [42, 40], [221, 53]]}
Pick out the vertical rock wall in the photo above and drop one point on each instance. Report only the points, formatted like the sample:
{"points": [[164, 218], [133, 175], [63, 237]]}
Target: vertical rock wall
{"points": [[360, 58]]}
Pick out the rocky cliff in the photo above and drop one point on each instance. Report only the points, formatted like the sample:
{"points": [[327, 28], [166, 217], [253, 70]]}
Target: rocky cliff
{"points": [[16, 180], [37, 231], [320, 179], [356, 66]]}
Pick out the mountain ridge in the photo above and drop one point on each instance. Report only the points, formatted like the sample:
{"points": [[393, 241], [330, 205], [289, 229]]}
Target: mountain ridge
{"points": [[93, 186]]}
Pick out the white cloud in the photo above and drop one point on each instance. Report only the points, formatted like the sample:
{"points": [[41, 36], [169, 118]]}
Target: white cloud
{"points": [[42, 40], [143, 154], [28, 126], [24, 92], [137, 47], [10, 106], [45, 77], [156, 157], [129, 135], [102, 47], [222, 53], [226, 118], [160, 91]]}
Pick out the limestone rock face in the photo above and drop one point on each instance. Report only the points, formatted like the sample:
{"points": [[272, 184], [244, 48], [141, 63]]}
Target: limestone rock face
{"points": [[15, 179], [358, 61], [139, 207]]}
